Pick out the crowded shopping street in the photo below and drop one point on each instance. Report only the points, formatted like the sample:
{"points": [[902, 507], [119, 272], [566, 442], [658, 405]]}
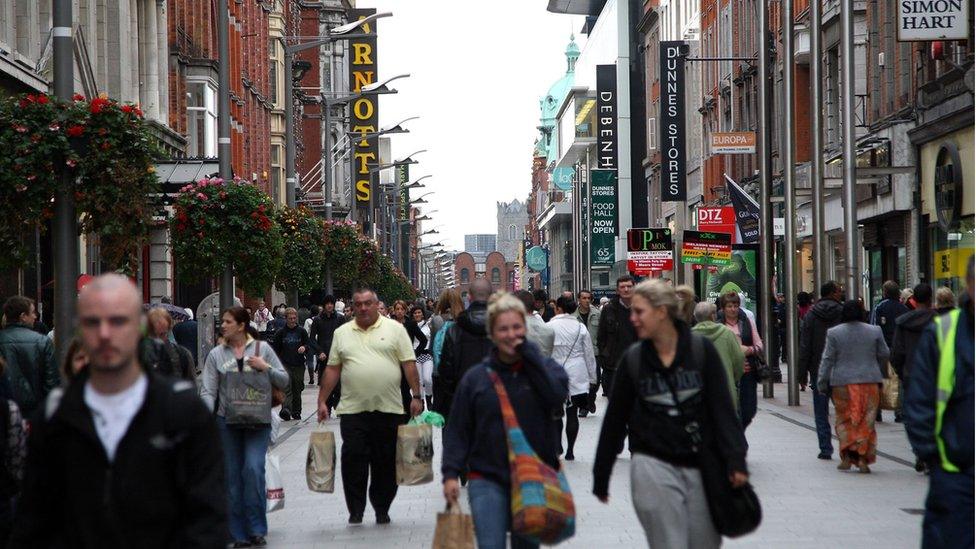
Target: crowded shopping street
{"points": [[676, 274]]}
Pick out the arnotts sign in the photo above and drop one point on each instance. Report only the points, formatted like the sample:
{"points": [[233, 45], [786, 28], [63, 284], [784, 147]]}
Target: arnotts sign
{"points": [[365, 110]]}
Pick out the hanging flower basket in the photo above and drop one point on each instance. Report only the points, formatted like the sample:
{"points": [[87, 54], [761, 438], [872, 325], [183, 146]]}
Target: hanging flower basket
{"points": [[350, 255], [109, 151], [304, 255], [218, 224]]}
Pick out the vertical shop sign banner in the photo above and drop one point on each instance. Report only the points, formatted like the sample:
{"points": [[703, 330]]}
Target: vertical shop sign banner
{"points": [[746, 212], [403, 179], [365, 110], [603, 217], [673, 185], [606, 117]]}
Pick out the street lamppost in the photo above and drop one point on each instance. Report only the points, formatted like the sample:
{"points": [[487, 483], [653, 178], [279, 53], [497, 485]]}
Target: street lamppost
{"points": [[404, 162], [342, 32], [66, 253]]}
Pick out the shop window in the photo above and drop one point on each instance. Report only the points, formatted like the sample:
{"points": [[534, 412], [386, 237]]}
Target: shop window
{"points": [[201, 116]]}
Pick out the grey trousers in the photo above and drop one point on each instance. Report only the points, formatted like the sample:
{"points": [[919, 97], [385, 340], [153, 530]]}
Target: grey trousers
{"points": [[670, 504]]}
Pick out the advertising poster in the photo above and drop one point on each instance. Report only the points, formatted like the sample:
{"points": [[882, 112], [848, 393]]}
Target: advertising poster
{"points": [[739, 276], [649, 250], [365, 110], [706, 248]]}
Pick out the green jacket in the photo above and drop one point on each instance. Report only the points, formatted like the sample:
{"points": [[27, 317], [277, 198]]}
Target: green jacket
{"points": [[729, 349], [32, 369], [593, 323]]}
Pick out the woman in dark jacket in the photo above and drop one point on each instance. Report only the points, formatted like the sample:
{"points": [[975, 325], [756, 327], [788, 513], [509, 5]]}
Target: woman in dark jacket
{"points": [[673, 402], [536, 386]]}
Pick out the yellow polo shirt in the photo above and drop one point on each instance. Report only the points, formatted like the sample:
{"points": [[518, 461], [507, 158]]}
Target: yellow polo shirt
{"points": [[371, 361]]}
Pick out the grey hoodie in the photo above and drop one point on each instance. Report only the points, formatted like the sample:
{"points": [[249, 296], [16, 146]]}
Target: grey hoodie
{"points": [[222, 360]]}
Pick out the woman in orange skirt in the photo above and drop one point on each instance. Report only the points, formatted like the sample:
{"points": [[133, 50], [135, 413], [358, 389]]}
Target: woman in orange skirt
{"points": [[852, 367]]}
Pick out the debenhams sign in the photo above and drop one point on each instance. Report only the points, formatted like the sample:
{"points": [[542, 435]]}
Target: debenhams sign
{"points": [[925, 20]]}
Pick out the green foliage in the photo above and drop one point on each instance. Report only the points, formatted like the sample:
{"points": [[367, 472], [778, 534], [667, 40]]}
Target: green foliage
{"points": [[217, 224], [110, 152], [304, 254]]}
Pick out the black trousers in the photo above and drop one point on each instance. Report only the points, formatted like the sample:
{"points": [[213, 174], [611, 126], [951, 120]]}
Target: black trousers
{"points": [[369, 449], [293, 395]]}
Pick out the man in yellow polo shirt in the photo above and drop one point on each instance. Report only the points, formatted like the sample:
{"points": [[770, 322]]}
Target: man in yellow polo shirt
{"points": [[369, 356]]}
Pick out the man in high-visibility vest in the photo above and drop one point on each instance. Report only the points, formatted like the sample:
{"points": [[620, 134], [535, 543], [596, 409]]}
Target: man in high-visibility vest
{"points": [[939, 419]]}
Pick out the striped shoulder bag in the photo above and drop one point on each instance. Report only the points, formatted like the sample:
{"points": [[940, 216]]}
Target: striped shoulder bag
{"points": [[542, 503]]}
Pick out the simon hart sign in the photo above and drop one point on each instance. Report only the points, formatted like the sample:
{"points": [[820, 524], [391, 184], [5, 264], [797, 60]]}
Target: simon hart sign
{"points": [[927, 20]]}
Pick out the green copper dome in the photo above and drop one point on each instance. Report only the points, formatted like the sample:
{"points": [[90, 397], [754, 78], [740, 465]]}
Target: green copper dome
{"points": [[549, 104]]}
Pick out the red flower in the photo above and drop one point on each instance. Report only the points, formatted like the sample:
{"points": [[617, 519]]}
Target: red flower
{"points": [[78, 97], [75, 130], [42, 99], [127, 108], [98, 105]]}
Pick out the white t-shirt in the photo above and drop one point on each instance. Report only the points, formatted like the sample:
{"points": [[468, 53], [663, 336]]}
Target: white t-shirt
{"points": [[112, 414]]}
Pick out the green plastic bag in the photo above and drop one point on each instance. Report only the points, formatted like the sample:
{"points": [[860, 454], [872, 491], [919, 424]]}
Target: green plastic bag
{"points": [[428, 418]]}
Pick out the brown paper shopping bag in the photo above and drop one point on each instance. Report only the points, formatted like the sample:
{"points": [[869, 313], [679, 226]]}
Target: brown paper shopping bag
{"points": [[321, 460], [890, 397], [455, 530], [414, 454]]}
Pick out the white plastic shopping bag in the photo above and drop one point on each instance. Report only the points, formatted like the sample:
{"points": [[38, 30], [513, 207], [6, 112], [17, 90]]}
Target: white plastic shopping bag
{"points": [[276, 490]]}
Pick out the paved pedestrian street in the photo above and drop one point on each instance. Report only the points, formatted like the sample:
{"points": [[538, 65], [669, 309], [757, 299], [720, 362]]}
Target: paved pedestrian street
{"points": [[807, 503]]}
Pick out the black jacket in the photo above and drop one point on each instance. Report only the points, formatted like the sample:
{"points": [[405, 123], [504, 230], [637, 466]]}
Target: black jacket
{"points": [[323, 328], [921, 394], [908, 330], [164, 489], [645, 410], [886, 315], [465, 345], [286, 342], [185, 334], [416, 334], [824, 315], [614, 334], [475, 436]]}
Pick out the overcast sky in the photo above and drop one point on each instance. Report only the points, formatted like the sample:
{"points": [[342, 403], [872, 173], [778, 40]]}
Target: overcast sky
{"points": [[477, 72]]}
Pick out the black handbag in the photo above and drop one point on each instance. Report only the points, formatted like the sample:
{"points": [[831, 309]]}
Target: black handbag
{"points": [[735, 511]]}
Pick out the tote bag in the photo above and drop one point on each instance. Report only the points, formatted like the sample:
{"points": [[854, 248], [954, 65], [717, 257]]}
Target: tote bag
{"points": [[247, 397]]}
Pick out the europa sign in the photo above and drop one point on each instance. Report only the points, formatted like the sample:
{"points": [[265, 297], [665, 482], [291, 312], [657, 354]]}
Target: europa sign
{"points": [[365, 110], [733, 142], [926, 20]]}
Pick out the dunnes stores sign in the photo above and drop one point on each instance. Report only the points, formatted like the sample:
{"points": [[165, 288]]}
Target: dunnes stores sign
{"points": [[673, 185], [926, 20], [365, 110]]}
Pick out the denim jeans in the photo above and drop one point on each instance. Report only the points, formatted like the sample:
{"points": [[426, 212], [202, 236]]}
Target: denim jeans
{"points": [[244, 451], [747, 398], [821, 416], [492, 513]]}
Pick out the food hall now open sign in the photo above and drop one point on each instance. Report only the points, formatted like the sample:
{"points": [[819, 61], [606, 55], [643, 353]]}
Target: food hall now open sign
{"points": [[706, 248]]}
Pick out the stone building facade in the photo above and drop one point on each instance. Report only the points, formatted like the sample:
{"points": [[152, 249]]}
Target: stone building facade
{"points": [[513, 217]]}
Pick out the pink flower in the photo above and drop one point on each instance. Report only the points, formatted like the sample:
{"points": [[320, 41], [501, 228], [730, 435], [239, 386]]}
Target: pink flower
{"points": [[54, 127], [71, 163], [201, 196], [21, 129]]}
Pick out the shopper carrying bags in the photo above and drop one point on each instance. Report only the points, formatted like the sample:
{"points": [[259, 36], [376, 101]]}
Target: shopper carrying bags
{"points": [[515, 389], [237, 379]]}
